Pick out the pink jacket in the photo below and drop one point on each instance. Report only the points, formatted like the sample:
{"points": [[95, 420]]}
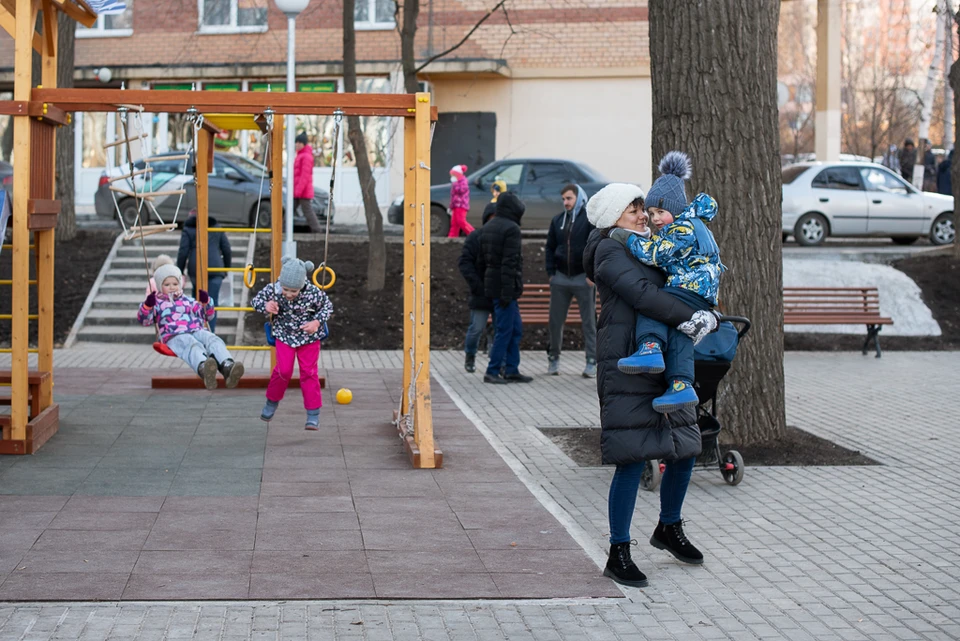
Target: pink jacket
{"points": [[182, 315], [303, 173], [460, 195]]}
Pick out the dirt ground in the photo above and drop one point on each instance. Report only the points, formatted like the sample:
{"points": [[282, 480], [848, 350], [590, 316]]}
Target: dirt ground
{"points": [[796, 448], [77, 264]]}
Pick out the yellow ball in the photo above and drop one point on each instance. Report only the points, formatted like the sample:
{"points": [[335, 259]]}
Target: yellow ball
{"points": [[344, 396]]}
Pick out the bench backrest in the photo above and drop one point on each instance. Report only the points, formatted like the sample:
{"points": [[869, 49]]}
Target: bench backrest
{"points": [[535, 305], [856, 303]]}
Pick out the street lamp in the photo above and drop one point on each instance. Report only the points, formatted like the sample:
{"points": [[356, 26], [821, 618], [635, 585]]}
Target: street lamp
{"points": [[291, 8]]}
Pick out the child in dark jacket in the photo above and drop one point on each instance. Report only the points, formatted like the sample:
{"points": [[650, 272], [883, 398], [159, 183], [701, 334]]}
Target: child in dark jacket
{"points": [[300, 310], [180, 321]]}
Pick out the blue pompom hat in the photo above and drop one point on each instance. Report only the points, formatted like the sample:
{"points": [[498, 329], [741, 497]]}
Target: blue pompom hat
{"points": [[667, 191]]}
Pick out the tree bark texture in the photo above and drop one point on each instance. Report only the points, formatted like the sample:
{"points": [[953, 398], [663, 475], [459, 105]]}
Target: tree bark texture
{"points": [[65, 189], [714, 72], [377, 258], [408, 36]]}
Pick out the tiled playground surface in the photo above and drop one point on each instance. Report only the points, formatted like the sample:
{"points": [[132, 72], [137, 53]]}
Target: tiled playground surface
{"points": [[155, 495]]}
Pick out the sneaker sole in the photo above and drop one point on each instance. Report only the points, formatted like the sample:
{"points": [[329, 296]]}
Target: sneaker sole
{"points": [[639, 369], [686, 559], [672, 407], [312, 428], [265, 419], [210, 373], [235, 374], [630, 584]]}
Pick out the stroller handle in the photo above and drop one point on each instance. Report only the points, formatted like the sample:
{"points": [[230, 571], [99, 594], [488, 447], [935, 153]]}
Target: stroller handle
{"points": [[738, 320]]}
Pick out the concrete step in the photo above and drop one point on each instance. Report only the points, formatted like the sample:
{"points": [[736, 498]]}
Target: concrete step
{"points": [[123, 318], [134, 334]]}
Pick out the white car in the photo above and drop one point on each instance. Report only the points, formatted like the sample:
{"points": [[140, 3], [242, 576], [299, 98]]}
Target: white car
{"points": [[823, 199]]}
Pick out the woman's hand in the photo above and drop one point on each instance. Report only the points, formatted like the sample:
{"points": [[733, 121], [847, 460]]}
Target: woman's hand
{"points": [[272, 307], [311, 327]]}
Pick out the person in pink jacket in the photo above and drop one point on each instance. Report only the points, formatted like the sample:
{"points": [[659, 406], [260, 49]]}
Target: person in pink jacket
{"points": [[459, 202], [303, 181]]}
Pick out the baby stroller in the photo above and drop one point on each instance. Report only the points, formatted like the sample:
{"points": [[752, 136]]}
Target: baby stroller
{"points": [[713, 358]]}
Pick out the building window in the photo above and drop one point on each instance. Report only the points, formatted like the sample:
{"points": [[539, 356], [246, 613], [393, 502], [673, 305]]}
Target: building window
{"points": [[374, 14], [232, 16], [110, 24]]}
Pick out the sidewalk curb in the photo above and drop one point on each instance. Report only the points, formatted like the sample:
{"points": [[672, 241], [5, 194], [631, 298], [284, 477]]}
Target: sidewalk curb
{"points": [[87, 304]]}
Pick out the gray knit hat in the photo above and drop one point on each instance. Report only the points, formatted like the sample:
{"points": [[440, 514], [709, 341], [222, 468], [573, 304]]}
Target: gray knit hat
{"points": [[294, 272], [667, 191], [163, 273]]}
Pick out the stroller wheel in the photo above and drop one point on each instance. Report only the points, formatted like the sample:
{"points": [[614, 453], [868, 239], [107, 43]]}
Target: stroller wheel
{"points": [[732, 467], [650, 477]]}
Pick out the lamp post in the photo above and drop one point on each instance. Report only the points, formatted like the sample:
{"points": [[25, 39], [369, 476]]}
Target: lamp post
{"points": [[291, 8]]}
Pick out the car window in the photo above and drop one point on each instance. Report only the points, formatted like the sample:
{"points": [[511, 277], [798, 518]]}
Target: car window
{"points": [[879, 180], [540, 174], [167, 166], [509, 173], [838, 178], [789, 174], [252, 167]]}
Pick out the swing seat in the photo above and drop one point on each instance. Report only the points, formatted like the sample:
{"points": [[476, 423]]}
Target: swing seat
{"points": [[162, 348]]}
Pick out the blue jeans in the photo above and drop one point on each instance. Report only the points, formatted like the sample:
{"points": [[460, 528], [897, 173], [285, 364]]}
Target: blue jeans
{"points": [[195, 347], [623, 495], [213, 283], [678, 354], [506, 340], [478, 324]]}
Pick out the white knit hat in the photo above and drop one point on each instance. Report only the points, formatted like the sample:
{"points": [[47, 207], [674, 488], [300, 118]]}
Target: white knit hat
{"points": [[163, 273], [608, 204]]}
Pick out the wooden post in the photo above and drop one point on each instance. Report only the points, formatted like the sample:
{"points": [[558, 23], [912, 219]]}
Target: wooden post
{"points": [[202, 165], [20, 290], [409, 250], [45, 239], [423, 414], [276, 207]]}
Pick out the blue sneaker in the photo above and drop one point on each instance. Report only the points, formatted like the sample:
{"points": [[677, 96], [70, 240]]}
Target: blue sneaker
{"points": [[269, 409], [679, 395], [647, 360]]}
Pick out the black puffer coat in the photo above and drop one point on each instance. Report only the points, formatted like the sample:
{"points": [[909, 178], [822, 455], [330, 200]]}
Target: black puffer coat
{"points": [[501, 250], [632, 430], [472, 268], [219, 253]]}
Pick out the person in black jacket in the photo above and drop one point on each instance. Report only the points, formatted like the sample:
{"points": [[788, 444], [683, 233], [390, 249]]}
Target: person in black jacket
{"points": [[566, 240], [503, 283], [632, 432], [472, 268], [944, 186], [219, 254]]}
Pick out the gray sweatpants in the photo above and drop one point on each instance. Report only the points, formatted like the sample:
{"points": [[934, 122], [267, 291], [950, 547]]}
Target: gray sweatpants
{"points": [[195, 347], [563, 289]]}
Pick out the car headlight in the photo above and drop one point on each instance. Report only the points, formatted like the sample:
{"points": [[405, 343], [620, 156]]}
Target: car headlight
{"points": [[398, 201]]}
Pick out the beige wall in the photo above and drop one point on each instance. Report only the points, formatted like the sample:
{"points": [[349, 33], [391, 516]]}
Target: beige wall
{"points": [[603, 122]]}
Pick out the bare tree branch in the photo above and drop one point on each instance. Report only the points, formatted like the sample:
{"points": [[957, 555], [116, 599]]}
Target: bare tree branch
{"points": [[464, 39]]}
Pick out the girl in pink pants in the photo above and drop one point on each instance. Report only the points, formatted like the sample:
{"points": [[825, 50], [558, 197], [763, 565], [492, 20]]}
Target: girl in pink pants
{"points": [[300, 311]]}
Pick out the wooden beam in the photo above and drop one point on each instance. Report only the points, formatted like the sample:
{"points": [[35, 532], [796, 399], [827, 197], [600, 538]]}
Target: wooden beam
{"points": [[43, 206], [193, 382], [79, 10], [409, 272], [276, 206], [49, 40], [203, 166], [8, 22], [44, 212]]}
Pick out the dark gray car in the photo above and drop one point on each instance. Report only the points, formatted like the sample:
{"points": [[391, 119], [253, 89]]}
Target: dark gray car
{"points": [[234, 186], [537, 181]]}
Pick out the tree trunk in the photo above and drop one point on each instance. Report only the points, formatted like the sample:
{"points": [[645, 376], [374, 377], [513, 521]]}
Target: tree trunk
{"points": [[955, 165], [377, 258], [926, 100], [408, 37], [65, 189], [715, 97]]}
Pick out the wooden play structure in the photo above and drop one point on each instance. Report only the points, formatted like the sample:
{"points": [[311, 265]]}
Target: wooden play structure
{"points": [[37, 112]]}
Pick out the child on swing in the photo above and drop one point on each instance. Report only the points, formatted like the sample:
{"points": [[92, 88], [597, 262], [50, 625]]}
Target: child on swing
{"points": [[299, 311], [180, 321]]}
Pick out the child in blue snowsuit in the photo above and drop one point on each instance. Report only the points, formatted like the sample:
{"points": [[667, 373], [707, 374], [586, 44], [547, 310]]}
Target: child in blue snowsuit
{"points": [[682, 246]]}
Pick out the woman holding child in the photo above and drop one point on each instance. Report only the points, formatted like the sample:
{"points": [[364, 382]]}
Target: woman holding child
{"points": [[633, 431]]}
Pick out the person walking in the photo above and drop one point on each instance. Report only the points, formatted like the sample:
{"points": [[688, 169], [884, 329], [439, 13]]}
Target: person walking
{"points": [[501, 249], [566, 241], [908, 158], [632, 432], [944, 184], [303, 182], [219, 254]]}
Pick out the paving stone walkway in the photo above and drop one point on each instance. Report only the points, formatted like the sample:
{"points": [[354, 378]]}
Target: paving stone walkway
{"points": [[792, 553]]}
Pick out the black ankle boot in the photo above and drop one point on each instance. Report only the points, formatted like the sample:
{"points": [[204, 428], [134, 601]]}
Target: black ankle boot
{"points": [[470, 363], [672, 539], [622, 569]]}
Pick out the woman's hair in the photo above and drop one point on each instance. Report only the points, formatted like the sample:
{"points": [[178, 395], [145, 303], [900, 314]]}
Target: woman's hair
{"points": [[159, 261], [637, 202]]}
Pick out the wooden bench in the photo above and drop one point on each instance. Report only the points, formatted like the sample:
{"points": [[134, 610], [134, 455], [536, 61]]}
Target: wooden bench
{"points": [[34, 381], [534, 306], [836, 306]]}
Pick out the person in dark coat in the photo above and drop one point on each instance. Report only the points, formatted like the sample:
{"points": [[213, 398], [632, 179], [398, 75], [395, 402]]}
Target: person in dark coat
{"points": [[944, 185], [472, 268], [929, 167], [502, 254], [632, 431], [908, 158], [219, 254], [566, 239]]}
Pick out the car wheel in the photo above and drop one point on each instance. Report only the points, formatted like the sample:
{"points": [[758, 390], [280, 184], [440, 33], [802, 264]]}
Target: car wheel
{"points": [[265, 218], [128, 211], [943, 231], [811, 230], [904, 240], [439, 222]]}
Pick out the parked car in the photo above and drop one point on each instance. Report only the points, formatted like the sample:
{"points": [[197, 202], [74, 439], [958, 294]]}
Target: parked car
{"points": [[537, 181], [233, 189], [6, 179], [823, 199]]}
